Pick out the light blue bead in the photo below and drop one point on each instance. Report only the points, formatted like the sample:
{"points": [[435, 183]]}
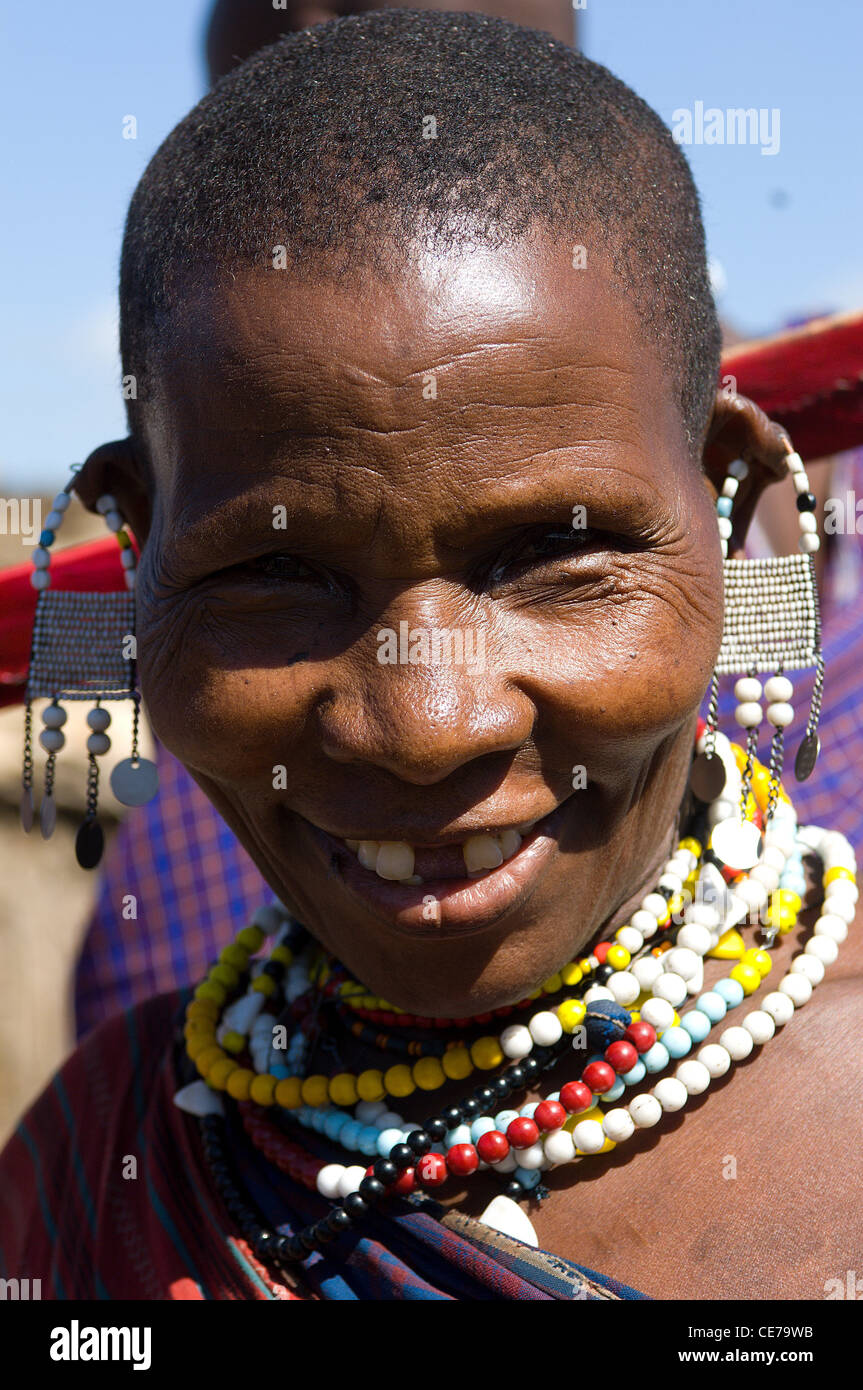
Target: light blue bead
{"points": [[656, 1058], [503, 1118], [724, 506], [527, 1111], [677, 1041], [481, 1127], [459, 1135], [697, 1024], [553, 1095], [280, 1071], [731, 992], [368, 1141], [795, 884], [528, 1177], [335, 1124], [635, 1074], [387, 1139], [319, 1118], [615, 1091], [713, 1005], [350, 1135]]}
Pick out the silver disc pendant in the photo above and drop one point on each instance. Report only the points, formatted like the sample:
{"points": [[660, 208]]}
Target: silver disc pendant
{"points": [[807, 757], [47, 816], [26, 810], [736, 842], [135, 783], [707, 776]]}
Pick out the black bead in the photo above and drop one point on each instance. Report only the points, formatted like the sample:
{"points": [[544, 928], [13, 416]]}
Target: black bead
{"points": [[603, 973], [89, 844], [501, 1087], [308, 1239], [402, 1156], [436, 1128], [516, 1076], [530, 1067], [514, 1189], [469, 1109], [263, 1243], [452, 1116], [484, 1095], [666, 893], [323, 1233], [355, 1206], [419, 1142], [386, 1172], [282, 1248], [274, 968], [371, 1189], [338, 1220], [806, 502]]}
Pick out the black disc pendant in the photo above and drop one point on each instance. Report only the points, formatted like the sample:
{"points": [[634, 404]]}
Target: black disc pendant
{"points": [[707, 776], [807, 757], [89, 844]]}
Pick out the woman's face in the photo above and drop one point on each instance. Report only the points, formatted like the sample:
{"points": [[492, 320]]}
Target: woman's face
{"points": [[430, 560]]}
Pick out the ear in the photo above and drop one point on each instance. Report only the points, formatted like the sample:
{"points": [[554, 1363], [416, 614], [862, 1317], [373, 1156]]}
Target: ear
{"points": [[115, 468], [740, 430]]}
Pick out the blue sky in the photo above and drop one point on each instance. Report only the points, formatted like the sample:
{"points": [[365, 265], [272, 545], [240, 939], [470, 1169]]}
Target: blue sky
{"points": [[785, 229]]}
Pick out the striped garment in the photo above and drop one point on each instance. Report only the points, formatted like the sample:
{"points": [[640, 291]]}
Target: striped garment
{"points": [[104, 1195]]}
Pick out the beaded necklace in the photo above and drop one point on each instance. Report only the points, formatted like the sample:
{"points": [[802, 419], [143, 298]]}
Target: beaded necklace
{"points": [[620, 1010]]}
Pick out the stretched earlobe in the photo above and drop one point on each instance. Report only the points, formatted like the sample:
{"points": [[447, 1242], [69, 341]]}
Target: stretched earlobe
{"points": [[739, 429], [115, 468]]}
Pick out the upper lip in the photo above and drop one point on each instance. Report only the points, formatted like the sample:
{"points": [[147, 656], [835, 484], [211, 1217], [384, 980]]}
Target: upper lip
{"points": [[422, 840]]}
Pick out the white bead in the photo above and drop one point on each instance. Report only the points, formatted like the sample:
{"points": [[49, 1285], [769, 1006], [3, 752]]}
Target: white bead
{"points": [[673, 882], [504, 1215], [809, 543], [367, 1111], [559, 1146], [696, 984], [53, 521], [807, 522], [588, 1136], [532, 1157], [328, 1179], [127, 559], [760, 1025], [389, 1119], [810, 966], [694, 1075], [670, 987], [842, 888], [658, 1013], [773, 856], [106, 503], [351, 1179], [113, 521], [748, 715], [831, 925], [729, 487], [798, 989], [800, 481], [780, 715], [695, 938], [824, 948], [625, 987], [198, 1099], [618, 1125], [747, 689], [545, 1028], [61, 502], [516, 1042], [630, 939], [702, 914], [98, 744], [682, 962], [40, 579], [671, 1093], [655, 904], [840, 906], [738, 468], [646, 971], [715, 1058], [753, 893], [778, 1006], [506, 1164], [737, 1042], [766, 874], [795, 463], [41, 557], [597, 992], [778, 688], [645, 922], [722, 809], [725, 528], [645, 1111]]}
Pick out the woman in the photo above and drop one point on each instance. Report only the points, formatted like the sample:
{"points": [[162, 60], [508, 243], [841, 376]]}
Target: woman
{"points": [[430, 366]]}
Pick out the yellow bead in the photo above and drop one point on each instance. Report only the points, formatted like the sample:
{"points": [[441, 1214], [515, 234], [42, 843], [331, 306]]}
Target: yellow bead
{"points": [[233, 1042], [289, 1093], [486, 1053], [219, 1072], [571, 1013], [761, 786], [370, 1085], [536, 994], [262, 1090], [730, 946], [316, 1090], [747, 976], [252, 938], [399, 1082], [284, 954], [428, 1074], [226, 975], [833, 874], [351, 987], [584, 966], [123, 540], [759, 959], [196, 1045], [694, 846], [788, 899], [739, 756], [207, 1057], [200, 1027], [571, 974], [234, 955], [202, 1008], [343, 1089], [593, 1114], [210, 989], [240, 1083], [552, 984], [265, 985], [676, 904], [457, 1064], [636, 1014], [608, 1146], [618, 957]]}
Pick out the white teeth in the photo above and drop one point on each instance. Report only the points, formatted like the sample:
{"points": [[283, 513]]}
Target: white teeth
{"points": [[395, 860], [481, 852], [526, 827], [509, 841], [353, 844], [367, 853]]}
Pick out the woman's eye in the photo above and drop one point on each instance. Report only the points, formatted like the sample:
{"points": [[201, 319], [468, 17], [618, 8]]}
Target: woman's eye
{"points": [[555, 543], [288, 568]]}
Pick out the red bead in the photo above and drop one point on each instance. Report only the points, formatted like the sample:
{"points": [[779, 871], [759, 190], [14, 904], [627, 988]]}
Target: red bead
{"points": [[599, 1076], [575, 1096], [492, 1146], [405, 1184], [522, 1132], [462, 1160], [431, 1170], [602, 950], [641, 1035], [621, 1055], [549, 1114]]}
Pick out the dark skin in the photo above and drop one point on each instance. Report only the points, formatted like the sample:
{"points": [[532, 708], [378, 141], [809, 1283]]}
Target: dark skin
{"points": [[309, 394]]}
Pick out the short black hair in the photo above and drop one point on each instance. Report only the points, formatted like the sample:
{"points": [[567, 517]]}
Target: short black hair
{"points": [[317, 144]]}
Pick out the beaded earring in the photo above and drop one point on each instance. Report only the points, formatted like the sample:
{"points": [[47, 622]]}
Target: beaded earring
{"points": [[83, 648], [772, 625]]}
